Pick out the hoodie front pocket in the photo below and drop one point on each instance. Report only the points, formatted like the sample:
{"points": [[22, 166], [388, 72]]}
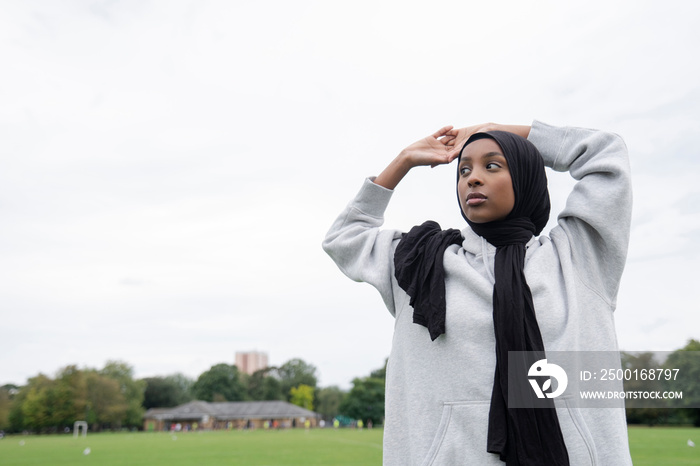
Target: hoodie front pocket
{"points": [[460, 438]]}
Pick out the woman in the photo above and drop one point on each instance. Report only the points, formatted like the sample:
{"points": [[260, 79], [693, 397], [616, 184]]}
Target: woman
{"points": [[463, 300]]}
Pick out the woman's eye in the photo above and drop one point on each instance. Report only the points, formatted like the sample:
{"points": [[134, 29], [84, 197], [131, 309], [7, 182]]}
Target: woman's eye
{"points": [[464, 170], [491, 165]]}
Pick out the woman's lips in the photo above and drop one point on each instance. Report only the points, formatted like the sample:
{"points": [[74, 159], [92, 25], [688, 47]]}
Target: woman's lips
{"points": [[474, 199]]}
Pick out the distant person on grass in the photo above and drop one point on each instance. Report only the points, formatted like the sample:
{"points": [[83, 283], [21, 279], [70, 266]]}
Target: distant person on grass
{"points": [[463, 299]]}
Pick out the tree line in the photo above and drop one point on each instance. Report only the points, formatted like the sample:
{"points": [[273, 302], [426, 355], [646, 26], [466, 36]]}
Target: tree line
{"points": [[109, 397], [684, 366], [112, 399]]}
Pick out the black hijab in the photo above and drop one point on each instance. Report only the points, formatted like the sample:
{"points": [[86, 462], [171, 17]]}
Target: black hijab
{"points": [[520, 436]]}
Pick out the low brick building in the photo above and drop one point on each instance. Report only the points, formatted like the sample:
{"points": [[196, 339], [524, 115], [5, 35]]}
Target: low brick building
{"points": [[203, 415]]}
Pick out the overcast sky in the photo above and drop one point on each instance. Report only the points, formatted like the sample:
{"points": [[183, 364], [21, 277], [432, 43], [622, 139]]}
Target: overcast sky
{"points": [[169, 169]]}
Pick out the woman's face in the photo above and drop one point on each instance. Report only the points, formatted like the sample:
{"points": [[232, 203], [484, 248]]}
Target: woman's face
{"points": [[484, 184]]}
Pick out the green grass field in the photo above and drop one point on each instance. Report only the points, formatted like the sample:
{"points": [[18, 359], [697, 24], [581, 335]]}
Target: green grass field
{"points": [[649, 446], [664, 446], [259, 447]]}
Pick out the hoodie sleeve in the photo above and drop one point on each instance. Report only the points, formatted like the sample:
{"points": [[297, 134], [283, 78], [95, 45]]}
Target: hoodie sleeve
{"points": [[598, 212], [358, 246]]}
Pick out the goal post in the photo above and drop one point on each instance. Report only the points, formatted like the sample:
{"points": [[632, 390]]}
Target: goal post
{"points": [[76, 428]]}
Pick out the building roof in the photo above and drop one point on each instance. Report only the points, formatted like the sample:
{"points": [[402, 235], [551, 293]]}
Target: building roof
{"points": [[230, 410]]}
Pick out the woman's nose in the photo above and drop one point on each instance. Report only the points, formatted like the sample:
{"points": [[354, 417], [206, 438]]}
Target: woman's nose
{"points": [[474, 180]]}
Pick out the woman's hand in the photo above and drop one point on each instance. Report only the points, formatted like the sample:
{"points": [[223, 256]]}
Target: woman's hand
{"points": [[457, 137], [432, 150]]}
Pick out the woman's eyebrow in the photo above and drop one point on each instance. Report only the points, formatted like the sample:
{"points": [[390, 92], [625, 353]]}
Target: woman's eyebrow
{"points": [[486, 155]]}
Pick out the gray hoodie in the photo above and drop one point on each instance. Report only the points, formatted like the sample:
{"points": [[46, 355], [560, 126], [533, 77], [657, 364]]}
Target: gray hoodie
{"points": [[438, 392]]}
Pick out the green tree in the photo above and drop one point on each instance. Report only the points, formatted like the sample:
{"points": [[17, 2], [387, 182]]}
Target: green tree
{"points": [[70, 396], [264, 384], [328, 401], [7, 396], [303, 396], [184, 385], [365, 400], [638, 363], [687, 361], [159, 393], [36, 405], [16, 415], [132, 391], [46, 404], [165, 392], [296, 372], [11, 389], [220, 383], [4, 409], [106, 405]]}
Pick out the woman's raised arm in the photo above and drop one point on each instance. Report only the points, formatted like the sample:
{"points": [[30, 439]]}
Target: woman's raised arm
{"points": [[439, 148], [432, 150]]}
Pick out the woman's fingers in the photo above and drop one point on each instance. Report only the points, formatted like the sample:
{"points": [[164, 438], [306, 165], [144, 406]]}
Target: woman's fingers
{"points": [[442, 131], [447, 141]]}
